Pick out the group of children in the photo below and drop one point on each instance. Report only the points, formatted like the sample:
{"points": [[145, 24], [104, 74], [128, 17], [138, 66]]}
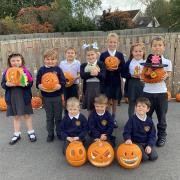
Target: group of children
{"points": [[101, 88]]}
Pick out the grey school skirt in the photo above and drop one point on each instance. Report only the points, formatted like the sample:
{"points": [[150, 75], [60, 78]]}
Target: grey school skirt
{"points": [[17, 106]]}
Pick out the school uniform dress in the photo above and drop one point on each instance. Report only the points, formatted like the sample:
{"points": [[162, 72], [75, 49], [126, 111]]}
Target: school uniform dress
{"points": [[134, 86], [52, 100], [73, 127], [112, 85], [18, 98], [157, 94], [74, 69], [141, 132], [92, 85], [101, 124]]}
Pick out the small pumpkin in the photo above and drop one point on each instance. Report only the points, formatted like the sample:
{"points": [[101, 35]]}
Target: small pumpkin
{"points": [[129, 155], [169, 97], [49, 81], [14, 75], [3, 105], [69, 79], [178, 97], [112, 62], [76, 154], [152, 75], [100, 153], [36, 102]]}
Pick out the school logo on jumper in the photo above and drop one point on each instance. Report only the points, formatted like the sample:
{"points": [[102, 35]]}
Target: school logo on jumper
{"points": [[78, 123], [104, 122], [146, 128]]}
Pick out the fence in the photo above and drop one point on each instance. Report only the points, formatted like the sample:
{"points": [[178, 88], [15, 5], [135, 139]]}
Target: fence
{"points": [[32, 50]]}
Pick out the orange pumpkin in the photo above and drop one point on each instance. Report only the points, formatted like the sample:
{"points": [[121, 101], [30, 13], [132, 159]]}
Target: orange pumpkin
{"points": [[36, 102], [3, 105], [49, 81], [151, 75], [76, 154], [169, 97], [100, 154], [129, 155], [112, 62], [14, 75], [178, 97], [69, 79]]}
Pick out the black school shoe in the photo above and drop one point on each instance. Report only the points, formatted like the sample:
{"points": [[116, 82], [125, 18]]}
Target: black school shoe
{"points": [[32, 137], [161, 142], [50, 138], [14, 140]]}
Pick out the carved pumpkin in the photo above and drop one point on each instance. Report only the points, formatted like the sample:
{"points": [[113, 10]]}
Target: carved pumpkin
{"points": [[169, 97], [49, 81], [152, 75], [100, 154], [112, 62], [178, 97], [129, 155], [69, 79], [14, 75], [36, 102], [3, 105], [76, 153]]}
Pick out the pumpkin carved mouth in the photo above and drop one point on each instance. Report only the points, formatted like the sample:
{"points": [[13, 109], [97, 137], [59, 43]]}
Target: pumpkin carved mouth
{"points": [[129, 161]]}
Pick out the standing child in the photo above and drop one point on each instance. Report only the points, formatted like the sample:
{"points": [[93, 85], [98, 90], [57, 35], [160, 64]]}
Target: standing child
{"points": [[73, 127], [93, 74], [71, 65], [157, 92], [112, 80], [132, 73], [51, 100], [100, 121], [18, 99], [140, 129]]}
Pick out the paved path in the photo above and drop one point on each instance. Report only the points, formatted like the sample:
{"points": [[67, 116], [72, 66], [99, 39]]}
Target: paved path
{"points": [[44, 161]]}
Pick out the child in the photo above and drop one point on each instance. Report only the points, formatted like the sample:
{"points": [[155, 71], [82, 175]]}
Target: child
{"points": [[93, 74], [157, 92], [18, 99], [140, 129], [100, 121], [70, 64], [51, 100], [112, 80], [73, 127], [132, 73]]}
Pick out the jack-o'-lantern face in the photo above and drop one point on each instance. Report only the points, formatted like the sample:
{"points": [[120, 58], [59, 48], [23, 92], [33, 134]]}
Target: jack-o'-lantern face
{"points": [[112, 62], [76, 153], [36, 102], [3, 105], [100, 154], [14, 75], [49, 81], [69, 79], [129, 155]]}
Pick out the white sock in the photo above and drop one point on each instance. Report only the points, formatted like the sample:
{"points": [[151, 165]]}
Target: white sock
{"points": [[30, 131], [17, 133]]}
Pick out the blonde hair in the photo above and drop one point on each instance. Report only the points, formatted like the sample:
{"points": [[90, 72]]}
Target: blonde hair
{"points": [[51, 53], [71, 48], [158, 38], [73, 102], [135, 45], [112, 35], [101, 99]]}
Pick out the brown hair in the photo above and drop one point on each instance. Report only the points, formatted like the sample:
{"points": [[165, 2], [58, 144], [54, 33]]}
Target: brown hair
{"points": [[73, 102], [135, 45], [101, 99], [15, 55], [144, 101], [158, 38], [71, 48], [51, 53]]}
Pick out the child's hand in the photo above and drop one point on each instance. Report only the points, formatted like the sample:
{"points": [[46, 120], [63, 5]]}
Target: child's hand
{"points": [[97, 139], [165, 76], [112, 69], [94, 72], [103, 137], [70, 139], [76, 138], [57, 87], [40, 87], [128, 141], [148, 149], [9, 84]]}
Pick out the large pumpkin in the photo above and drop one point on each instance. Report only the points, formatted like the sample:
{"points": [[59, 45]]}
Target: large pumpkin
{"points": [[14, 75], [69, 79], [112, 62], [36, 102], [129, 155], [100, 154], [152, 75], [3, 105], [178, 97], [76, 153], [49, 81]]}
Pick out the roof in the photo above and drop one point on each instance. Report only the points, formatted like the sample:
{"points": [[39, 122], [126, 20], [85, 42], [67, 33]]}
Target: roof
{"points": [[144, 21], [132, 13]]}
